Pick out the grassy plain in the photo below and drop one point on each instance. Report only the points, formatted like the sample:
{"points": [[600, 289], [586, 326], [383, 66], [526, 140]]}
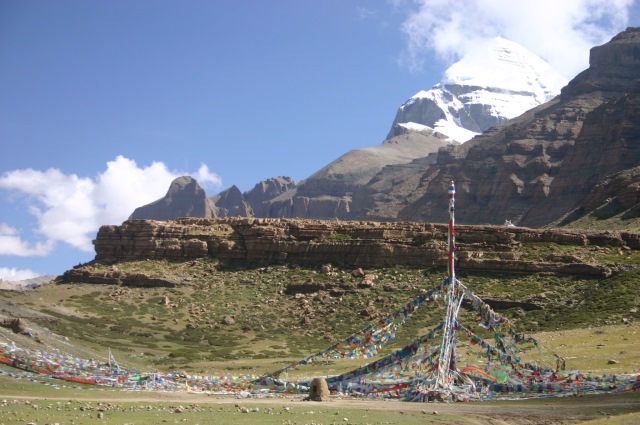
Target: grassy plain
{"points": [[28, 402], [591, 322]]}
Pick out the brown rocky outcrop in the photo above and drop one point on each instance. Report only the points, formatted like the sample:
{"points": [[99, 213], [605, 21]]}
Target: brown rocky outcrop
{"points": [[141, 280], [356, 244], [617, 195]]}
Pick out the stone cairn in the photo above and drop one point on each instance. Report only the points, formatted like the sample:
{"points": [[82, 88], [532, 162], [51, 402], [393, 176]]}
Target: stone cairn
{"points": [[319, 390]]}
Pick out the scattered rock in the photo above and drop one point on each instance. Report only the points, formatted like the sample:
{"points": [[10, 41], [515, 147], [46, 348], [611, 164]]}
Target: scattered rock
{"points": [[358, 273], [366, 283], [371, 312]]}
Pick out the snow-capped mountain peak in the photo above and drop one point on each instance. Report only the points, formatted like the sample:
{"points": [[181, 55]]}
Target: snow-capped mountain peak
{"points": [[493, 83], [504, 64]]}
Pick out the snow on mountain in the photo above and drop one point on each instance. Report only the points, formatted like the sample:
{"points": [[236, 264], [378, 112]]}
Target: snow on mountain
{"points": [[492, 84], [504, 64]]}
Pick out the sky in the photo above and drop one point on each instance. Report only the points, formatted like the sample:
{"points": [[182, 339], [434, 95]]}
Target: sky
{"points": [[104, 102]]}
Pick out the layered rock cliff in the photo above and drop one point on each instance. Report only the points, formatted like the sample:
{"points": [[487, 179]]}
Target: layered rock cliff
{"points": [[356, 244]]}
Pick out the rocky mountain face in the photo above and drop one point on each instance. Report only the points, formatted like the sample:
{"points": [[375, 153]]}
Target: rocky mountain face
{"points": [[540, 166], [231, 203], [551, 164], [185, 198], [329, 192], [265, 191]]}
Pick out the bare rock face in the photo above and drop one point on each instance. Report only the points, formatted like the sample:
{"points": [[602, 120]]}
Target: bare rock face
{"points": [[231, 203], [265, 191], [185, 198], [356, 244], [618, 194], [329, 192], [612, 66], [608, 144]]}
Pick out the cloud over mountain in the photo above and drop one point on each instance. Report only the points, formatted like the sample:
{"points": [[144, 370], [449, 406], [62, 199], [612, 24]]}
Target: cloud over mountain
{"points": [[561, 32]]}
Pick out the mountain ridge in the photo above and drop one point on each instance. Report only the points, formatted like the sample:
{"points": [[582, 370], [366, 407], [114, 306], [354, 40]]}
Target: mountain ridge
{"points": [[520, 170]]}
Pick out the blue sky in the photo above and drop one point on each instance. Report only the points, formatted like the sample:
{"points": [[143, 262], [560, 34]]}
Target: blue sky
{"points": [[104, 102]]}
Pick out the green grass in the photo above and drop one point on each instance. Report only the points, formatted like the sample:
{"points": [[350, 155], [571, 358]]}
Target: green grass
{"points": [[24, 401], [271, 324]]}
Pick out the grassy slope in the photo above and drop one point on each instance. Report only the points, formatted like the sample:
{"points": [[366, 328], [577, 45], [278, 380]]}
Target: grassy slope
{"points": [[272, 327]]}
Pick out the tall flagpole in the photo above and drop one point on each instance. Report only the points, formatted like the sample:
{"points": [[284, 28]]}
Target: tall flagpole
{"points": [[443, 385], [452, 236]]}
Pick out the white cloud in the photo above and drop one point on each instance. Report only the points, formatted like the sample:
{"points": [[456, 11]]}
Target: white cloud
{"points": [[12, 244], [124, 186], [207, 178], [70, 209], [11, 274], [561, 32], [365, 12]]}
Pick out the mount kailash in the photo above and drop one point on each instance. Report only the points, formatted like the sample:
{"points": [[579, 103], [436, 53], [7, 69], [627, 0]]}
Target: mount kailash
{"points": [[533, 162]]}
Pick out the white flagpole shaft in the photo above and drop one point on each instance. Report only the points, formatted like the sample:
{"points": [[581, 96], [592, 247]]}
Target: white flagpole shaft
{"points": [[452, 236]]}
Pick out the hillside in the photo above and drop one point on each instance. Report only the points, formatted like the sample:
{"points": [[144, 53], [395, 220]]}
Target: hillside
{"points": [[174, 307]]}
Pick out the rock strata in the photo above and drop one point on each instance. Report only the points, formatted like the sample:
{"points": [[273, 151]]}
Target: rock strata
{"points": [[357, 244]]}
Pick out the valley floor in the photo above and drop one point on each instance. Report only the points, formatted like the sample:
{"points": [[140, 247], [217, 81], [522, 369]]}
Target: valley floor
{"points": [[21, 402]]}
